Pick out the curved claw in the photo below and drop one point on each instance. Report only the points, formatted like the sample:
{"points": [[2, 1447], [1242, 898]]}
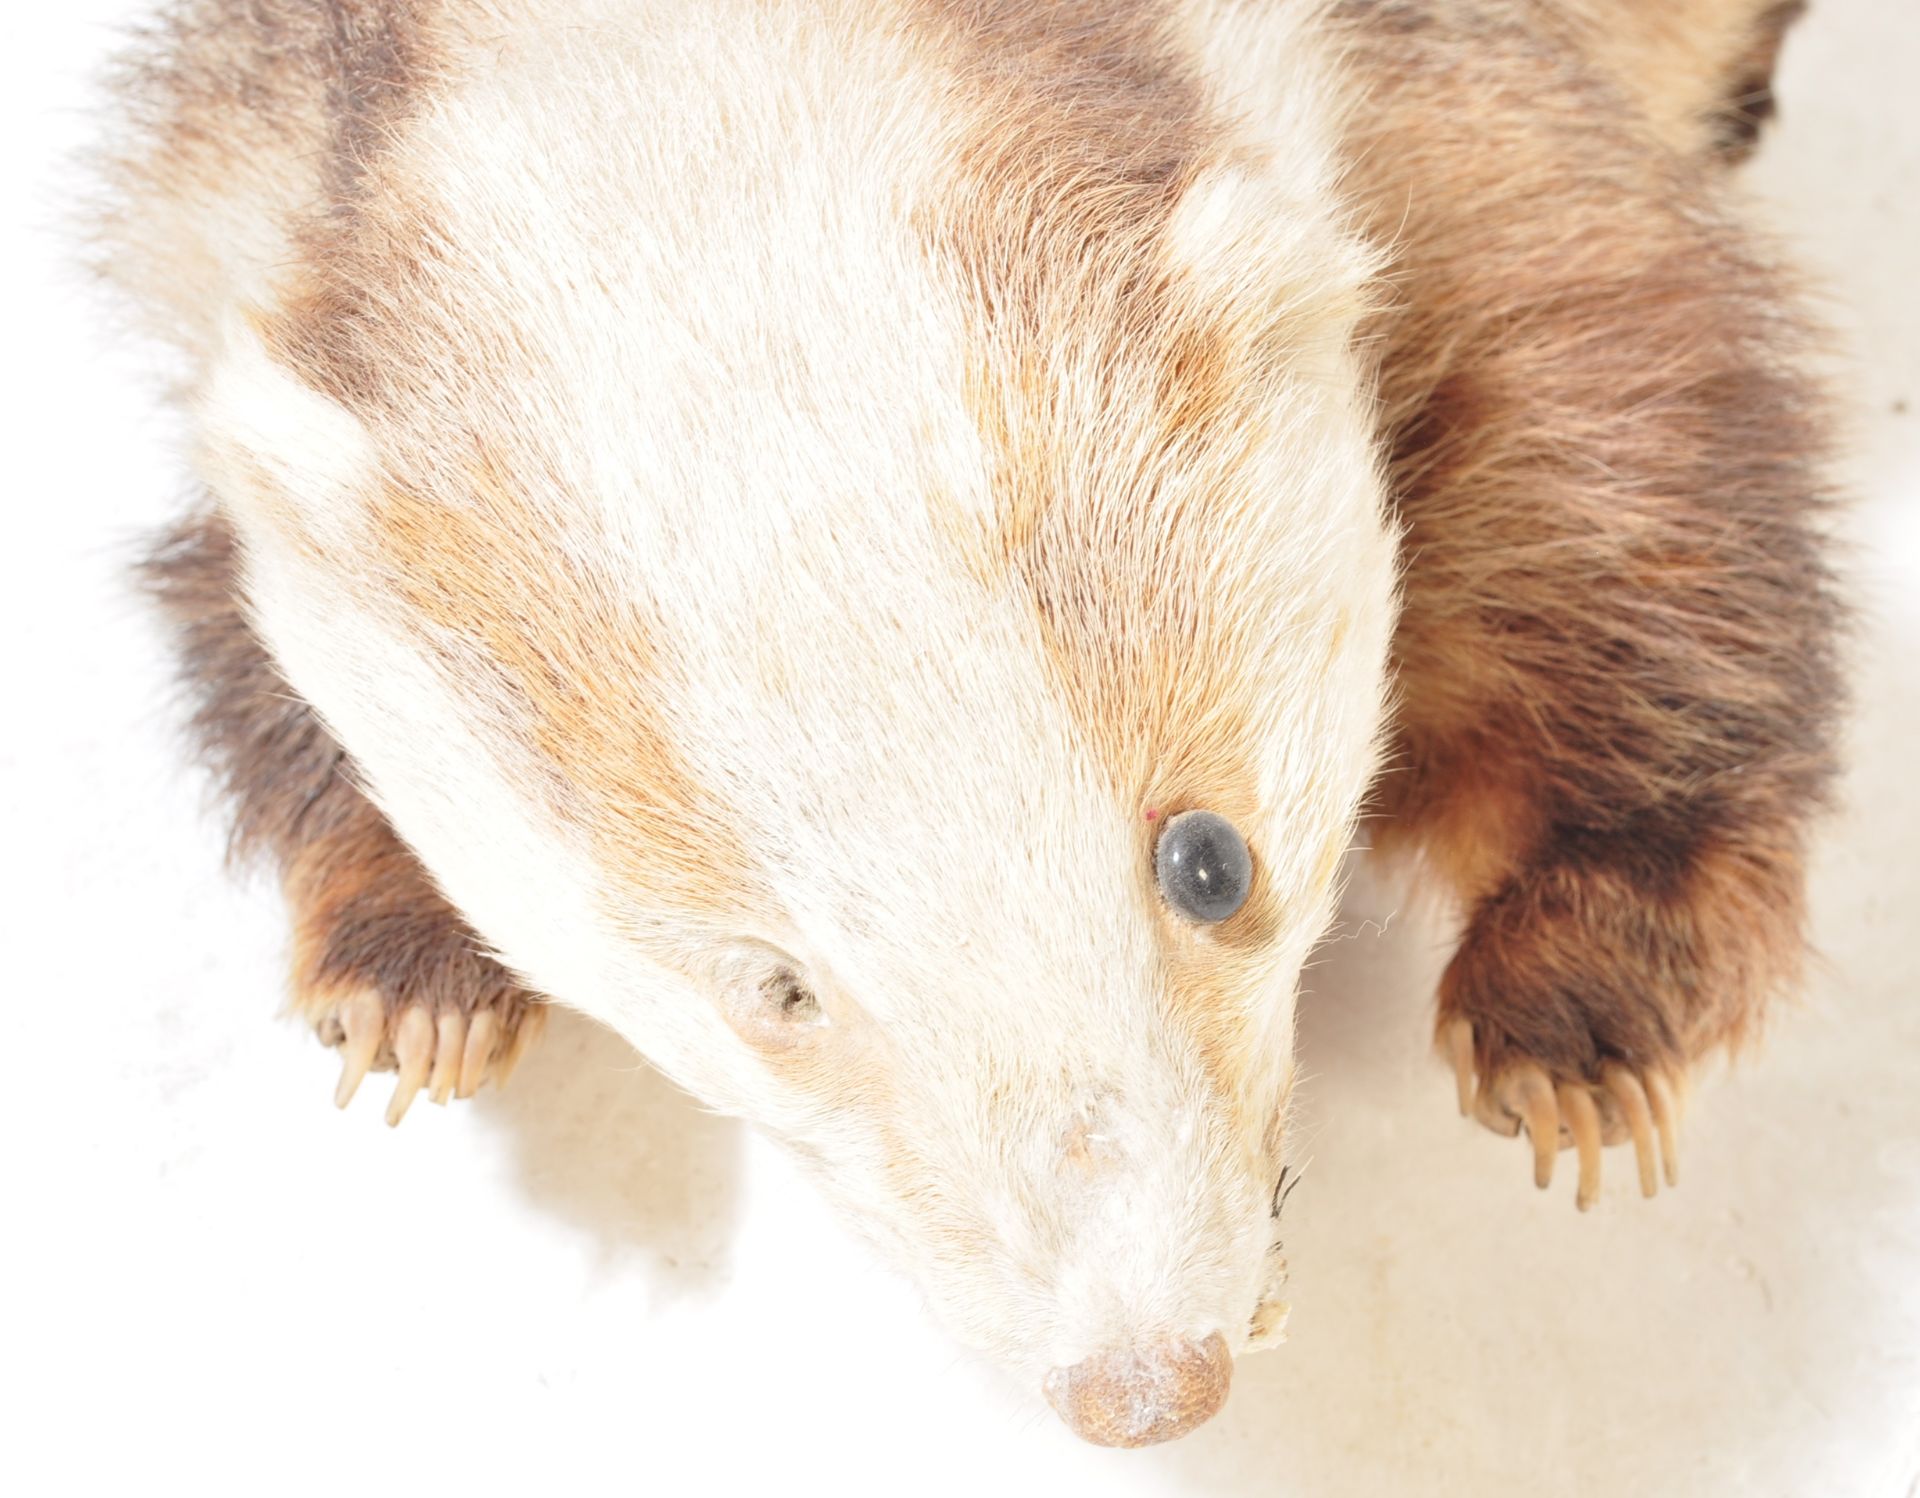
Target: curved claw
{"points": [[1625, 1087], [1535, 1096], [1583, 1122], [1459, 1043], [1667, 1122], [413, 1049], [364, 1019], [482, 1035], [449, 1042], [533, 1020]]}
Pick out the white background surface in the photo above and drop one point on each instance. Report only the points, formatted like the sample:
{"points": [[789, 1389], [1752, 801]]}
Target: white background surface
{"points": [[213, 1282]]}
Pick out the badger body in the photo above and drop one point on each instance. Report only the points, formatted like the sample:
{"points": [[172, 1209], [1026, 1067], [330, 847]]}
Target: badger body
{"points": [[749, 520]]}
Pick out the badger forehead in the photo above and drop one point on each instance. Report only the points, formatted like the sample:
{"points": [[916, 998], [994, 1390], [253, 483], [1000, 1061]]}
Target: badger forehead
{"points": [[831, 441]]}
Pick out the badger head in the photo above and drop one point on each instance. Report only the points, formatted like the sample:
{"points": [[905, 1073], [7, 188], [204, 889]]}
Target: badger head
{"points": [[865, 571]]}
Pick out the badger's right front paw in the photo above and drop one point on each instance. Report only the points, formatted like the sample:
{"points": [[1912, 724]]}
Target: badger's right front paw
{"points": [[385, 969], [442, 1047]]}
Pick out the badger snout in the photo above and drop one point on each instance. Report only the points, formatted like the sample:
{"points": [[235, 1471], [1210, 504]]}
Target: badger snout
{"points": [[1138, 1396]]}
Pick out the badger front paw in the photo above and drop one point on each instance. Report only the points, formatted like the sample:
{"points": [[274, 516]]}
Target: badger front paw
{"points": [[386, 970], [438, 1046], [1589, 983], [1583, 1113]]}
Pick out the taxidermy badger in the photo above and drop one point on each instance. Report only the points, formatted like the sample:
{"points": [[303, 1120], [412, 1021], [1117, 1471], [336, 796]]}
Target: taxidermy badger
{"points": [[883, 548]]}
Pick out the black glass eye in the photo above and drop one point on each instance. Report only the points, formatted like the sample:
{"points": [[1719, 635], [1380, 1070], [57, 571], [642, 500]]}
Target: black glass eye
{"points": [[1203, 866]]}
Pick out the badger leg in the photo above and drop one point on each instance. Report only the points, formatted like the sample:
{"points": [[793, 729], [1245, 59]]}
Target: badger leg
{"points": [[1634, 893], [1613, 938], [1616, 656], [386, 970], [383, 966]]}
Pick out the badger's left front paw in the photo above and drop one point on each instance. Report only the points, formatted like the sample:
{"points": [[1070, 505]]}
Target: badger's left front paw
{"points": [[1583, 1114], [1590, 982]]}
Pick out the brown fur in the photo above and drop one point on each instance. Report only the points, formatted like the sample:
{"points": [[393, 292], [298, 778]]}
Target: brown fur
{"points": [[365, 912], [222, 101], [1617, 652], [376, 57]]}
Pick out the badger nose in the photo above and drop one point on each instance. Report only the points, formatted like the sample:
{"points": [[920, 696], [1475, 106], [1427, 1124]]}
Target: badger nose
{"points": [[1135, 1396]]}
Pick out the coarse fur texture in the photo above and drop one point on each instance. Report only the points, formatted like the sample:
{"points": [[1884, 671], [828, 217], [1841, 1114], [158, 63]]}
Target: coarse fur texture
{"points": [[366, 916], [1615, 654], [746, 518]]}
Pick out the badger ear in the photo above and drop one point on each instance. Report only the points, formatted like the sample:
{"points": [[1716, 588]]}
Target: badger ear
{"points": [[276, 452]]}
